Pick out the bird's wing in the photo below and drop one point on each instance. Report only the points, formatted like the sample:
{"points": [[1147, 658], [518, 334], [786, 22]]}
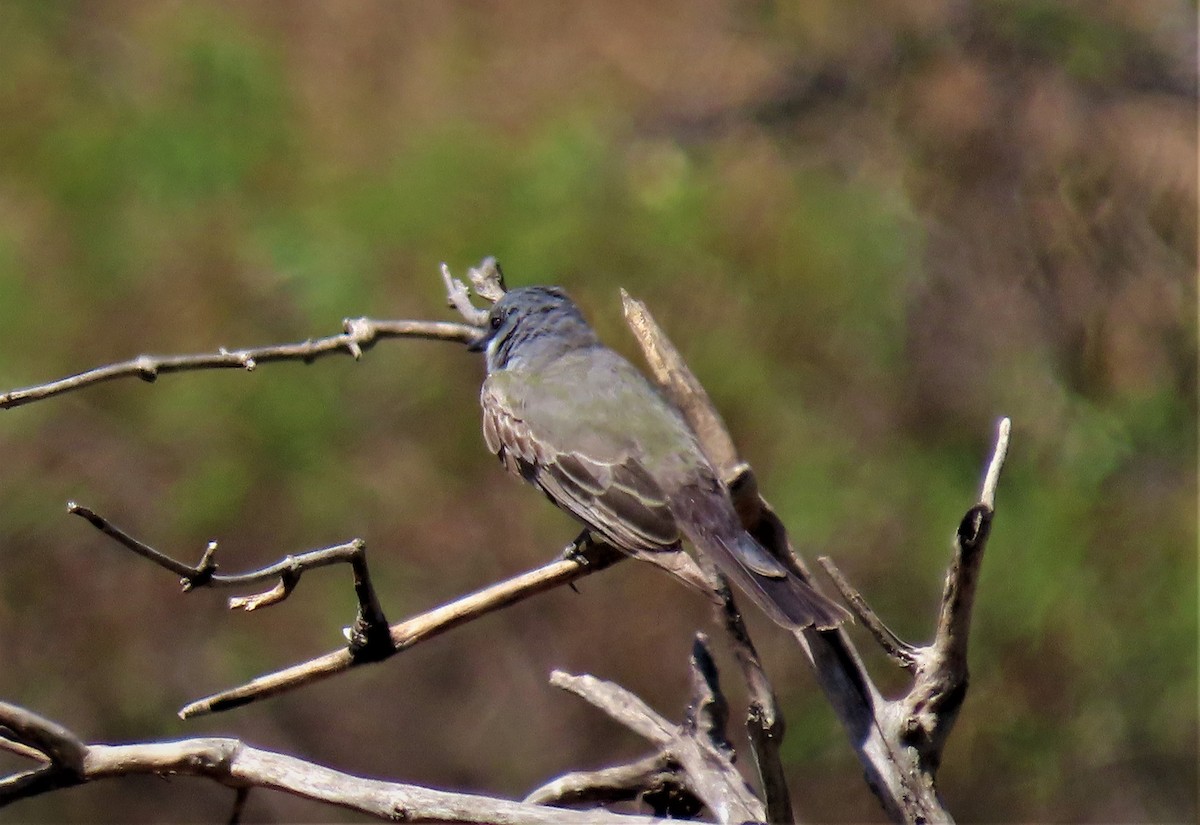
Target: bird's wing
{"points": [[598, 482]]}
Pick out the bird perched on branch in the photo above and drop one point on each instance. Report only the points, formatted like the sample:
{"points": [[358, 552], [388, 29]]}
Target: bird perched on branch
{"points": [[574, 418]]}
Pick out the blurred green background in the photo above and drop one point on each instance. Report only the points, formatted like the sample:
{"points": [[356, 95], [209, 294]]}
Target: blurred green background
{"points": [[871, 227]]}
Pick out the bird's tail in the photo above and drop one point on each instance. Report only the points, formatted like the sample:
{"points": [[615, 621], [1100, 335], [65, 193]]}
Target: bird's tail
{"points": [[788, 599], [716, 532]]}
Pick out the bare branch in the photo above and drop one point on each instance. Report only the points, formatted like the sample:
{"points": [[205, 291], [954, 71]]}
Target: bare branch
{"points": [[233, 764], [369, 638], [671, 373], [360, 335], [458, 296], [764, 721], [903, 786], [901, 652], [190, 575], [410, 632], [23, 751], [239, 805], [204, 573], [622, 706], [706, 765], [488, 281], [931, 707], [958, 599]]}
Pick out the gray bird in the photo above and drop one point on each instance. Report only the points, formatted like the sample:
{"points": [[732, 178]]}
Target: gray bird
{"points": [[570, 416]]}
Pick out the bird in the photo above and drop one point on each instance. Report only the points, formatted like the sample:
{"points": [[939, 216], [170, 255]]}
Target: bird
{"points": [[578, 421]]}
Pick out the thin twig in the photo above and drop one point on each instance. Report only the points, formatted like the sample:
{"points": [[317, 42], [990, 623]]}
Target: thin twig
{"points": [[360, 335], [369, 636], [488, 281], [900, 651], [708, 711], [24, 751], [958, 599], [619, 704], [203, 573], [411, 632], [458, 296], [239, 805]]}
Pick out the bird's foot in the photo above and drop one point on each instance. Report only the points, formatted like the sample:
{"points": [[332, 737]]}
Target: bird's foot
{"points": [[577, 550]]}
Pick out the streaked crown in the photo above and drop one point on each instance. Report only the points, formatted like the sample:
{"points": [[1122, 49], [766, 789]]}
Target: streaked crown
{"points": [[533, 323]]}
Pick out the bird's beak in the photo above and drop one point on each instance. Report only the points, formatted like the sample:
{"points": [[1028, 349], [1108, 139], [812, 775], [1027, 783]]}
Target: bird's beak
{"points": [[479, 344]]}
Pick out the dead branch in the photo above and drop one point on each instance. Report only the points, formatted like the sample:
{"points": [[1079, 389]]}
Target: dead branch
{"points": [[369, 638], [488, 281], [360, 334], [68, 762], [900, 652], [408, 633], [764, 721], [899, 743], [697, 746]]}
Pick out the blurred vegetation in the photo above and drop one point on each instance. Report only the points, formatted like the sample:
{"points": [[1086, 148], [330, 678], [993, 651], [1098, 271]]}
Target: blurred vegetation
{"points": [[872, 228]]}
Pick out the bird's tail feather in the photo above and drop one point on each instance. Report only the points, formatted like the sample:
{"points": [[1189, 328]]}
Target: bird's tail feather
{"points": [[785, 597], [788, 600]]}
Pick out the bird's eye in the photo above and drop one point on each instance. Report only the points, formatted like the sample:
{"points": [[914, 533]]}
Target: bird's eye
{"points": [[494, 321]]}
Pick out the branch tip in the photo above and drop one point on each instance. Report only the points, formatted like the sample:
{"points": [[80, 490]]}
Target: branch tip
{"points": [[987, 493]]}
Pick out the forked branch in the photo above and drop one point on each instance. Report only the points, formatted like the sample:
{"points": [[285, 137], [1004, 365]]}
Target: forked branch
{"points": [[369, 639], [899, 743], [697, 746]]}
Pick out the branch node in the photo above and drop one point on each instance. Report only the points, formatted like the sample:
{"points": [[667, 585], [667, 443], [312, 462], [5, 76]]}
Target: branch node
{"points": [[360, 333], [973, 528], [204, 570], [241, 356], [146, 368]]}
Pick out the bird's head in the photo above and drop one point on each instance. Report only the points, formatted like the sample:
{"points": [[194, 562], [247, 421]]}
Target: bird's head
{"points": [[532, 323]]}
